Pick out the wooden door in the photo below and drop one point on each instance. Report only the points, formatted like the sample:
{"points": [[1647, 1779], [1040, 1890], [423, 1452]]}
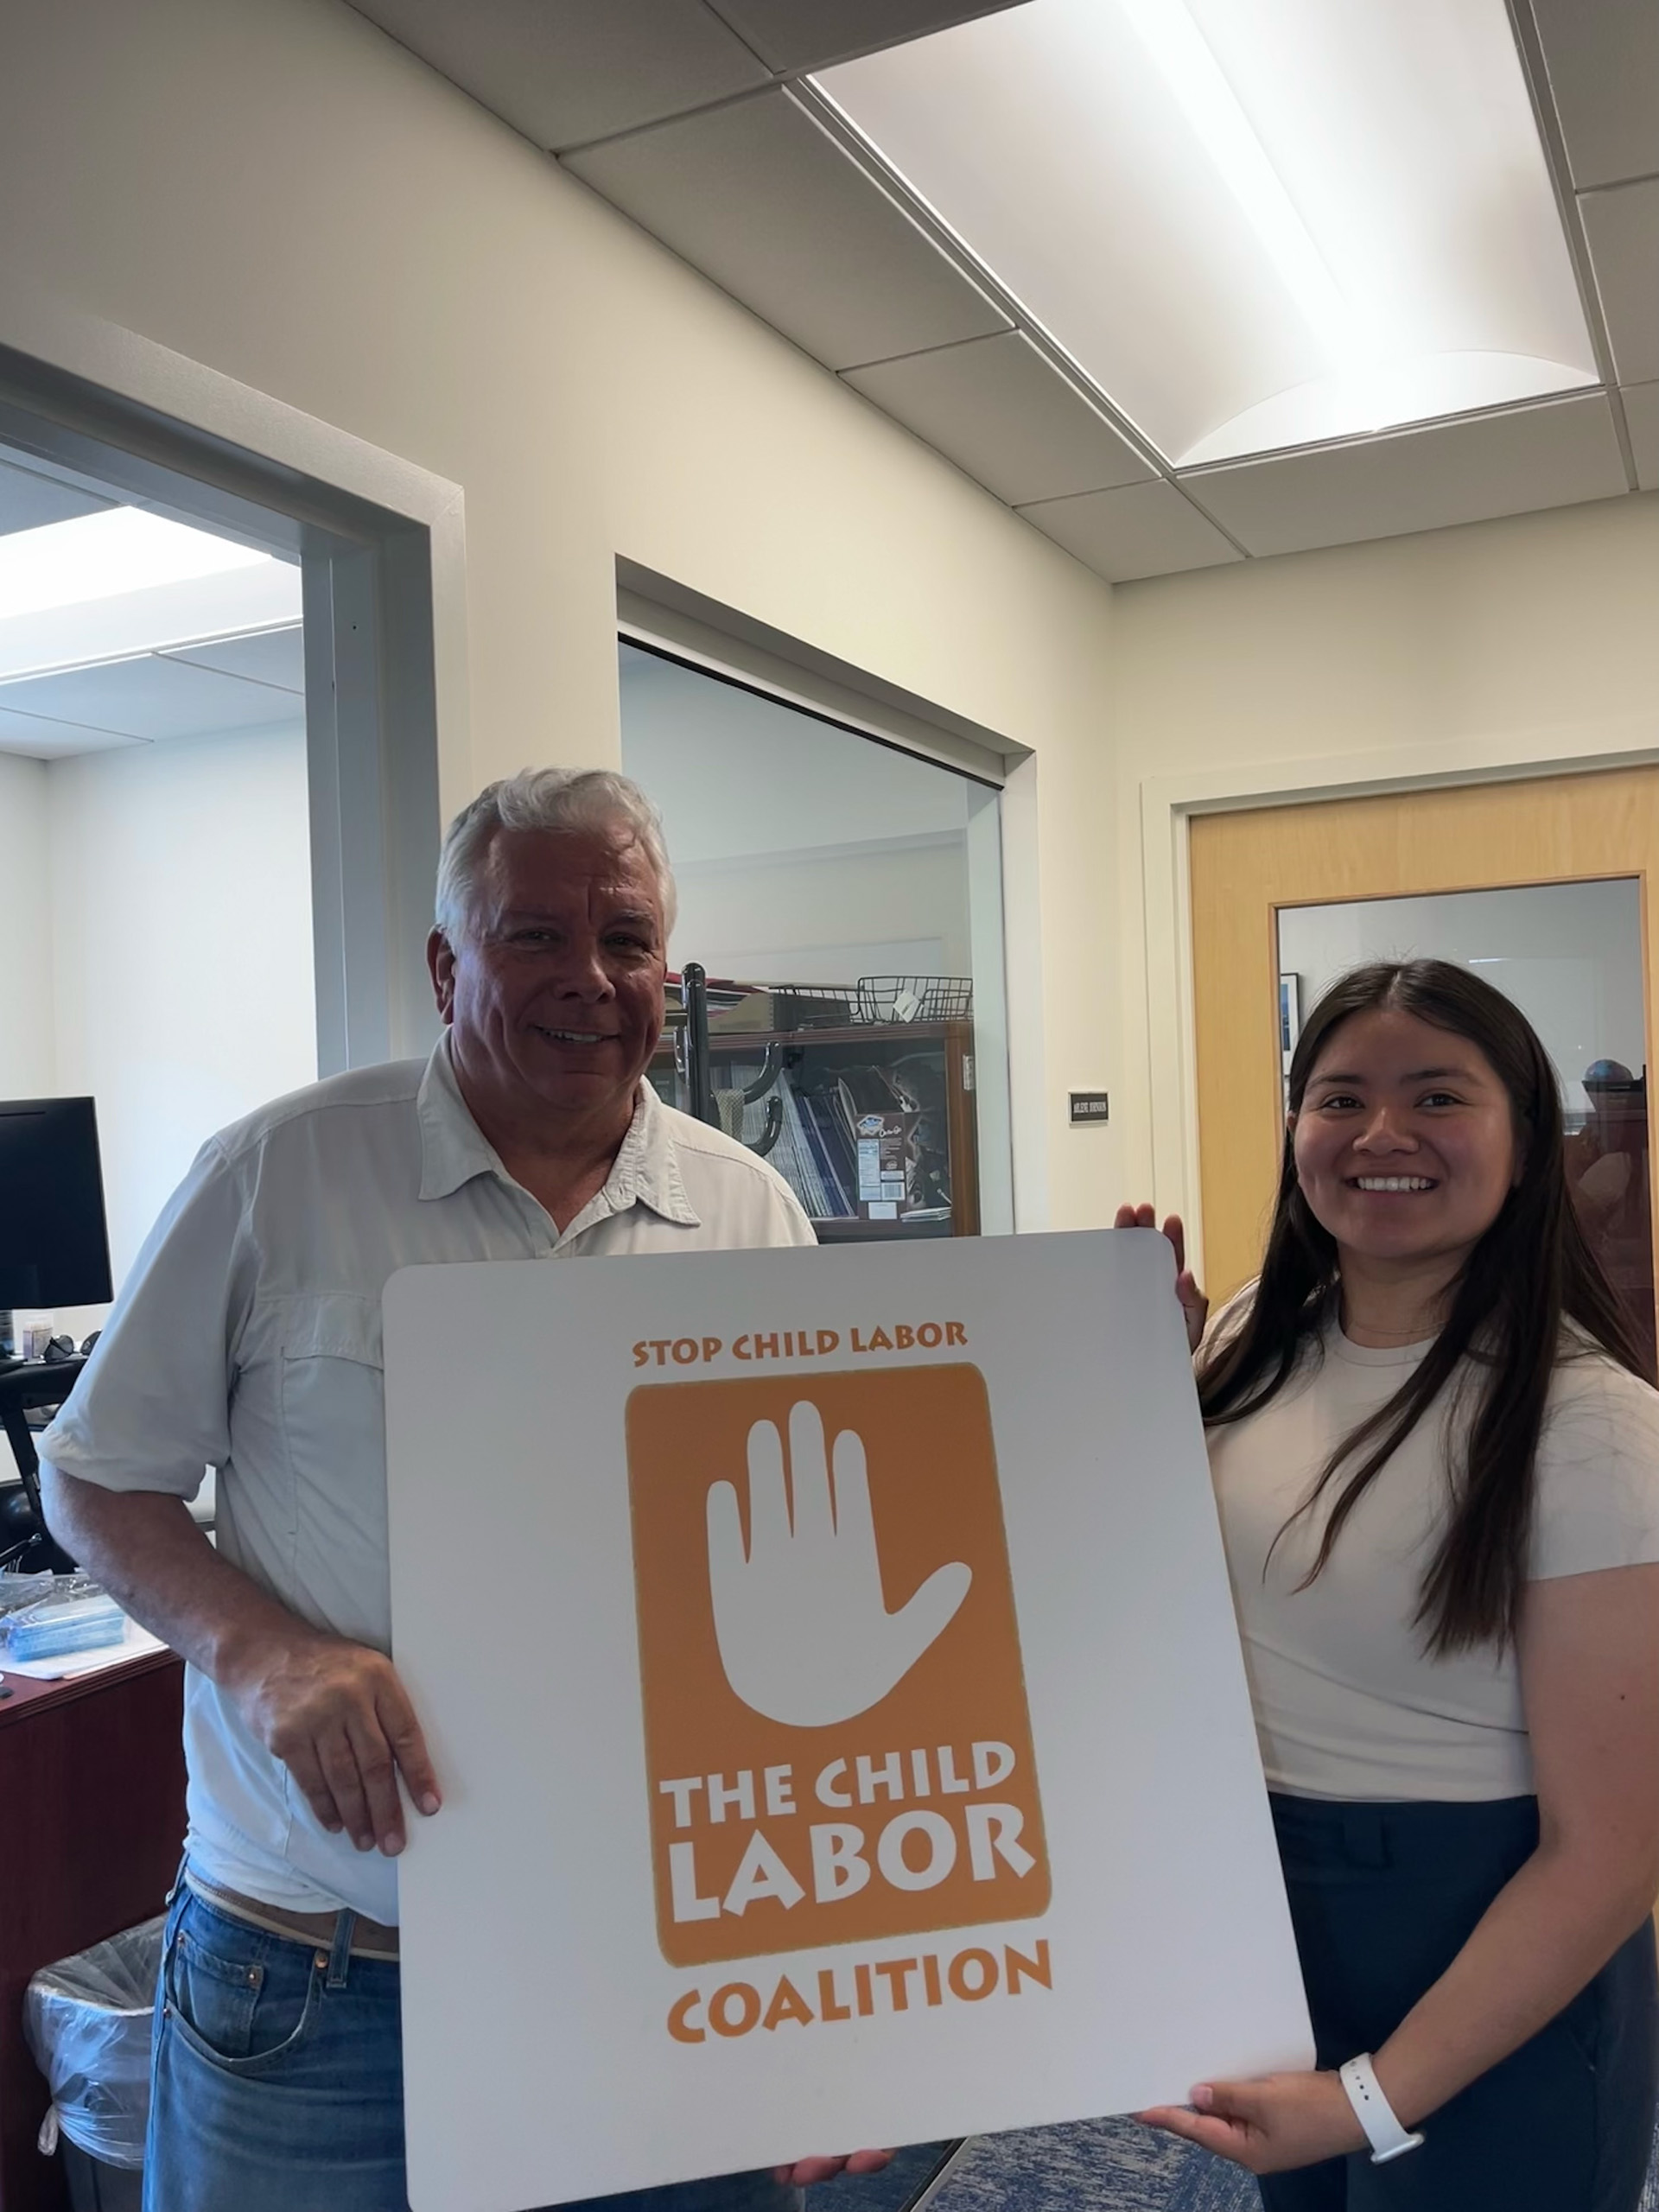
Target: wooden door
{"points": [[1245, 866]]}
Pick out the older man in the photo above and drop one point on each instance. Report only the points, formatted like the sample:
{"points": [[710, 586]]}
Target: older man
{"points": [[248, 1338]]}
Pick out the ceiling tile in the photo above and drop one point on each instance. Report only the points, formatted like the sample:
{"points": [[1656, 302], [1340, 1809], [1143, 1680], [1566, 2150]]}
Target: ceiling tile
{"points": [[1146, 529], [1642, 413], [1551, 456], [811, 34], [565, 72], [999, 410], [38, 739], [1622, 228], [150, 696], [28, 500], [273, 656], [764, 202], [1603, 57]]}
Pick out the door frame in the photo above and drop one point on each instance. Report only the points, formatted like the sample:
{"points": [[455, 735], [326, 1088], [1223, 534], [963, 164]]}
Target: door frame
{"points": [[381, 548], [1167, 803]]}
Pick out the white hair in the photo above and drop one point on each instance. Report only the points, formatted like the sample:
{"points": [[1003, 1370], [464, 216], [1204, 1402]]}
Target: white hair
{"points": [[546, 799]]}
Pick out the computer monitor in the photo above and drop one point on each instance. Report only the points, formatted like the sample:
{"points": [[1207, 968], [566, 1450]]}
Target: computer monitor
{"points": [[54, 1246]]}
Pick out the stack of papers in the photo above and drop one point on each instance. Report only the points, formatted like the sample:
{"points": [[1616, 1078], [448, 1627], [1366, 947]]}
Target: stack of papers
{"points": [[134, 1642]]}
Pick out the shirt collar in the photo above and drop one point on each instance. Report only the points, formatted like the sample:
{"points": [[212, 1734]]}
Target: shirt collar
{"points": [[453, 1150]]}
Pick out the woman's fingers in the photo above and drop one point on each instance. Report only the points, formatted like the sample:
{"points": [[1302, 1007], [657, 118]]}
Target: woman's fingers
{"points": [[1280, 2121], [1227, 2139], [1195, 1306]]}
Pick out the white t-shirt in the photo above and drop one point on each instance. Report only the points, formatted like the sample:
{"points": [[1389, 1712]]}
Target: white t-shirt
{"points": [[247, 1337], [1346, 1704]]}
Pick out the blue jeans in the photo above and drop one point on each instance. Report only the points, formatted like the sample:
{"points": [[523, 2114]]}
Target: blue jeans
{"points": [[276, 2084]]}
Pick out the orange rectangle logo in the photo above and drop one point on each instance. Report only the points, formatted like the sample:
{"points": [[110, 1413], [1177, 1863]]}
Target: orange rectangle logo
{"points": [[836, 1733]]}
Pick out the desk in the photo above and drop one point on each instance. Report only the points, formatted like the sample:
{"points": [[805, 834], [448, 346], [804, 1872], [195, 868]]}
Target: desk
{"points": [[91, 1827]]}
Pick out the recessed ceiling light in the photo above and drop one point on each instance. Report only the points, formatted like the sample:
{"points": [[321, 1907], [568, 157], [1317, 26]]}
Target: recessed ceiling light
{"points": [[1250, 223], [103, 556]]}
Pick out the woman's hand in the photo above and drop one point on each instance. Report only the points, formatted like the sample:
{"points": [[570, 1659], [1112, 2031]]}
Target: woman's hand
{"points": [[1269, 2125], [1195, 1306]]}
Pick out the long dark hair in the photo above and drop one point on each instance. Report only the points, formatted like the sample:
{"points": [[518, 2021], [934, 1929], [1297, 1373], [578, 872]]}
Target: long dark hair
{"points": [[1531, 1270]]}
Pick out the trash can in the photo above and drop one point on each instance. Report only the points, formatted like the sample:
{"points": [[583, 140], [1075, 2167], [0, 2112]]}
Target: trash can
{"points": [[88, 2024]]}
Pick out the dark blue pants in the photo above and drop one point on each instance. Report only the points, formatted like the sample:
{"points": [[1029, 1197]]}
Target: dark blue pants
{"points": [[1383, 1898]]}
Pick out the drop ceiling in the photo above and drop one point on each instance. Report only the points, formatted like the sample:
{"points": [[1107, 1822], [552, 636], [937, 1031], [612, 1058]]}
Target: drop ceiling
{"points": [[813, 158], [173, 655]]}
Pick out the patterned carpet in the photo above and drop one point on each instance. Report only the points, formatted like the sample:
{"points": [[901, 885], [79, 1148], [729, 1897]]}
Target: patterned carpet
{"points": [[1106, 2165], [1097, 2165]]}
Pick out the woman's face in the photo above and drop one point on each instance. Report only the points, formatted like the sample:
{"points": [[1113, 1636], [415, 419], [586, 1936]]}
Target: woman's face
{"points": [[1405, 1143]]}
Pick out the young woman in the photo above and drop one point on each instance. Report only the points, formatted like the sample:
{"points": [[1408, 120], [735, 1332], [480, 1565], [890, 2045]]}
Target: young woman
{"points": [[1436, 1460]]}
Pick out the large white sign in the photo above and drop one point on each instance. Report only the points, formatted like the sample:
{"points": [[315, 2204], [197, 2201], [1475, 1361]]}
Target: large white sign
{"points": [[830, 1661]]}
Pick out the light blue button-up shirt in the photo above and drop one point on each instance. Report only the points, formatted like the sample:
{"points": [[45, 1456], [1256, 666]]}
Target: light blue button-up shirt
{"points": [[247, 1339]]}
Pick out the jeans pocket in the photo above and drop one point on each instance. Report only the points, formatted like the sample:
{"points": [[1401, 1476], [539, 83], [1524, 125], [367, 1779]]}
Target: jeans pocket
{"points": [[236, 2003]]}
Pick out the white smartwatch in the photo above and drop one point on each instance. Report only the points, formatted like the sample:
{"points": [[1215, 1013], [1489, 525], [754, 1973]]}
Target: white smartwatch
{"points": [[1373, 2111]]}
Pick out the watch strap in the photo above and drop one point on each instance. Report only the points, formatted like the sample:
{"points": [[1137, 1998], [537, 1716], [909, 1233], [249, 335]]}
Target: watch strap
{"points": [[1387, 2138]]}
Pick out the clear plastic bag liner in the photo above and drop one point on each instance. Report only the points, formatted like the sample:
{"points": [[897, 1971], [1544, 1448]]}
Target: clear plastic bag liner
{"points": [[72, 1615], [88, 2020]]}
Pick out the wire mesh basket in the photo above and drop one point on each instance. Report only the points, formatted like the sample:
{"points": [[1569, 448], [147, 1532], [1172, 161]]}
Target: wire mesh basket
{"points": [[914, 998]]}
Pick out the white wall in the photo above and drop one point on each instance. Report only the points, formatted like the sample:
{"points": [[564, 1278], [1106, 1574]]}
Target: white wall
{"points": [[25, 961], [1530, 642], [275, 189], [180, 934]]}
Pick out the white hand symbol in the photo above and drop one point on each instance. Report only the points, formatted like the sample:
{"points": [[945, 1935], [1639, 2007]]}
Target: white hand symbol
{"points": [[805, 1634]]}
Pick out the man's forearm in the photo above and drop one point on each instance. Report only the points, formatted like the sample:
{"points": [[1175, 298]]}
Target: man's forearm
{"points": [[1552, 1927], [148, 1554]]}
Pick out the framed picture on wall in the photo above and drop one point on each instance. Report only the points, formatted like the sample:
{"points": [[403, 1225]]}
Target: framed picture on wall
{"points": [[1290, 1014]]}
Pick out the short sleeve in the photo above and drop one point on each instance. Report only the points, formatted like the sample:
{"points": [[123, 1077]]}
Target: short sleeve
{"points": [[789, 1223], [1597, 1473], [151, 1411]]}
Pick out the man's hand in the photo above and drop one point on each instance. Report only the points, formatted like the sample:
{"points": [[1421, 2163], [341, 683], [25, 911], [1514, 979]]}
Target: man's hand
{"points": [[1195, 1306], [340, 1721], [805, 2171], [334, 1712], [1270, 2126]]}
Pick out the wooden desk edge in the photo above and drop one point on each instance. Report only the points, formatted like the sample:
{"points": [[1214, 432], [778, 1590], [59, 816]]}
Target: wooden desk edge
{"points": [[28, 1695]]}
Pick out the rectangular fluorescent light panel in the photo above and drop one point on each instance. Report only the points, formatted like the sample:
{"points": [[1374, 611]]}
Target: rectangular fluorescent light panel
{"points": [[102, 556], [1251, 223]]}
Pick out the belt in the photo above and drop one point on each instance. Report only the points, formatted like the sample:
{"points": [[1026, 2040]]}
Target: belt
{"points": [[370, 1939]]}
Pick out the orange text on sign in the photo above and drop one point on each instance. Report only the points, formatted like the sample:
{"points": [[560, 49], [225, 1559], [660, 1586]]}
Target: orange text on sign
{"points": [[799, 1344]]}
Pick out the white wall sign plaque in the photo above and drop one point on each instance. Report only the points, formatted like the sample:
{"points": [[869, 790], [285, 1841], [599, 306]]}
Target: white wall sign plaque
{"points": [[830, 1664]]}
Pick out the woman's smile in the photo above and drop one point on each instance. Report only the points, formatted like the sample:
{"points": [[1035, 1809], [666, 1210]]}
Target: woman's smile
{"points": [[1404, 1141]]}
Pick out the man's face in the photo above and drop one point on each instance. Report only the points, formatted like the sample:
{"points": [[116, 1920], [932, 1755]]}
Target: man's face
{"points": [[554, 995]]}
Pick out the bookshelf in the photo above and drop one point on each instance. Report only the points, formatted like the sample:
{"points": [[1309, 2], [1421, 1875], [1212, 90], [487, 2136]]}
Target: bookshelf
{"points": [[870, 1119]]}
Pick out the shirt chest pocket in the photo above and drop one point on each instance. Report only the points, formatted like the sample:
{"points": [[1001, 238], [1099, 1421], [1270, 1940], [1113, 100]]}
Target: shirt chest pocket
{"points": [[331, 1396]]}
